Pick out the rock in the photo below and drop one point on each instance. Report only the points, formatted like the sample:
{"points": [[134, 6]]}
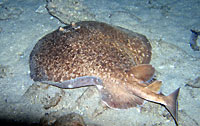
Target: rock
{"points": [[194, 83], [53, 119], [4, 70], [9, 12], [41, 9], [70, 11], [72, 119], [46, 95]]}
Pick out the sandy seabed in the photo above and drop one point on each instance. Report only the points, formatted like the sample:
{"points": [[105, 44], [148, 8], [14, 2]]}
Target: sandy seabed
{"points": [[166, 24]]}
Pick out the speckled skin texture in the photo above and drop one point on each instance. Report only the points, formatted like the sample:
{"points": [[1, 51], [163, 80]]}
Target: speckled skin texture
{"points": [[93, 49]]}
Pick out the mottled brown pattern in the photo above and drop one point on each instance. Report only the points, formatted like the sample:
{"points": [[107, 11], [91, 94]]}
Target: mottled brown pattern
{"points": [[92, 49]]}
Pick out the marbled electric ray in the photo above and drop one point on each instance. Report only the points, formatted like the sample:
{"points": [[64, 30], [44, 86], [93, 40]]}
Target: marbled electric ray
{"points": [[113, 59]]}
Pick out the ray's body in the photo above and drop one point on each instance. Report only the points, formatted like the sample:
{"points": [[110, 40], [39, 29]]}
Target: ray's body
{"points": [[92, 53]]}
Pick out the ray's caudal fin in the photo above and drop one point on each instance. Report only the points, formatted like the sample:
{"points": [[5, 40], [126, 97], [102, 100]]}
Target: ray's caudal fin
{"points": [[172, 104]]}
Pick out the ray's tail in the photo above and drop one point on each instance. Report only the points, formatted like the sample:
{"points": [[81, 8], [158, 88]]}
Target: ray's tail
{"points": [[172, 104]]}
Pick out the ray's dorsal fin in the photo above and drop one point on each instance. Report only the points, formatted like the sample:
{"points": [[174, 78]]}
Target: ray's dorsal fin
{"points": [[142, 72], [155, 86]]}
